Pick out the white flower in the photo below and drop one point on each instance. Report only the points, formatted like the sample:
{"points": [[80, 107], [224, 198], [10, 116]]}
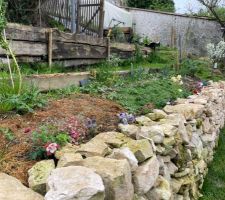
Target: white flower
{"points": [[52, 148], [180, 90]]}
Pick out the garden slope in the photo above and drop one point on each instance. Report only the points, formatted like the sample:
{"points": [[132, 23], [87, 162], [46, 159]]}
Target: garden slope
{"points": [[14, 154]]}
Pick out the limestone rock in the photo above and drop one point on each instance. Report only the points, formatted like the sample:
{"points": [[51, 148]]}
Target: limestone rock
{"points": [[146, 175], [125, 153], [161, 192], [68, 148], [172, 168], [95, 147], [169, 130], [183, 133], [116, 175], [142, 149], [154, 132], [113, 139], [75, 182], [174, 119], [176, 185], [138, 197], [39, 174], [129, 129], [69, 159], [13, 189], [157, 115], [190, 111], [144, 121]]}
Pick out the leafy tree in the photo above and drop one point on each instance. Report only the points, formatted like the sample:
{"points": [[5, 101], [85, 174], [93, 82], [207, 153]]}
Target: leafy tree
{"points": [[162, 5]]}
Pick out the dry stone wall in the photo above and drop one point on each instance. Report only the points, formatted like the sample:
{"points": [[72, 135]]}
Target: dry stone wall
{"points": [[164, 156]]}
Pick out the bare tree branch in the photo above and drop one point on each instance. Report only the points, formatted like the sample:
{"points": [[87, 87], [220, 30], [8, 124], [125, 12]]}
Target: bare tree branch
{"points": [[211, 5]]}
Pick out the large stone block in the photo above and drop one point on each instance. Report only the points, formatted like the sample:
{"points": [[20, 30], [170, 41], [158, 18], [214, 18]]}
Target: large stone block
{"points": [[76, 182], [39, 174], [146, 175], [116, 175], [142, 149], [13, 189]]}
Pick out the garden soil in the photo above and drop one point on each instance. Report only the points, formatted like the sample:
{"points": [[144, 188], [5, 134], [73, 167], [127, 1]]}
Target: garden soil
{"points": [[14, 154]]}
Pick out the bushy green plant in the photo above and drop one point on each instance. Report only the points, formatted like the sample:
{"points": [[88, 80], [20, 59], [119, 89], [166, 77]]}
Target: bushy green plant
{"points": [[27, 101], [117, 34], [45, 135]]}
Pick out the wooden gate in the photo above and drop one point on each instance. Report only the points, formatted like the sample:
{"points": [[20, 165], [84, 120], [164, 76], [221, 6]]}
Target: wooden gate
{"points": [[86, 15], [90, 17]]}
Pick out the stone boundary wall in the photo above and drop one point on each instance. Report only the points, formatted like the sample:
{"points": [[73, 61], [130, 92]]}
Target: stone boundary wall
{"points": [[164, 156], [195, 32]]}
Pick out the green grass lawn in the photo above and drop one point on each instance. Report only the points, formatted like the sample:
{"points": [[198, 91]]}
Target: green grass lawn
{"points": [[214, 185]]}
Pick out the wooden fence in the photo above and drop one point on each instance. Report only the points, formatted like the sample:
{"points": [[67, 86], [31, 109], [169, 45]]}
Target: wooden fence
{"points": [[41, 44], [84, 16]]}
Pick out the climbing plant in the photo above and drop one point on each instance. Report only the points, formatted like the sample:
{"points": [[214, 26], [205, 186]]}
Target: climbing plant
{"points": [[5, 45]]}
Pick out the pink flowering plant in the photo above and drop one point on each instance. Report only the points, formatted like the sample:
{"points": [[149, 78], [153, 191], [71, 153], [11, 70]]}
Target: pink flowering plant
{"points": [[49, 138], [75, 129], [46, 141]]}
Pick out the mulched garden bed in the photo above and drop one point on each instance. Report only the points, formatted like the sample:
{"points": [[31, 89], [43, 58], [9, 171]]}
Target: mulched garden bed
{"points": [[14, 154]]}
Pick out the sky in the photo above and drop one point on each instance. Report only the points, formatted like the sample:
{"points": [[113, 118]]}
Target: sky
{"points": [[183, 6]]}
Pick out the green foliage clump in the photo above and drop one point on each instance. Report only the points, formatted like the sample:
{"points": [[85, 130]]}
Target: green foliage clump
{"points": [[29, 99], [162, 5], [46, 134], [139, 89]]}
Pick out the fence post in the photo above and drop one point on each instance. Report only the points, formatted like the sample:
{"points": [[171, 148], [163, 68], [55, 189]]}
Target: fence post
{"points": [[73, 16], [101, 20], [50, 31], [78, 17]]}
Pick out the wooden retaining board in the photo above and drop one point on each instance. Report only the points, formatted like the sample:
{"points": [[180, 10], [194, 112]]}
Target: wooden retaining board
{"points": [[28, 41]]}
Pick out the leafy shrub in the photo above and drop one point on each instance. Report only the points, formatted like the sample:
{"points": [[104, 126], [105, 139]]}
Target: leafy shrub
{"points": [[44, 136], [10, 100], [118, 35]]}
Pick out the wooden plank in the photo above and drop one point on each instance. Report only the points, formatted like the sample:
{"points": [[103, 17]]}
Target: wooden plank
{"points": [[26, 48], [25, 33], [29, 33], [80, 39], [70, 50]]}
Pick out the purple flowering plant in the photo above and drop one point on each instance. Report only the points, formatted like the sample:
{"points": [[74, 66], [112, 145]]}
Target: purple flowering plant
{"points": [[126, 118]]}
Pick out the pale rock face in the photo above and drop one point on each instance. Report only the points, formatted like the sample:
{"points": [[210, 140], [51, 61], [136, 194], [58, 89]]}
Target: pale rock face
{"points": [[116, 175], [142, 149], [176, 185], [94, 147], [183, 133], [113, 139], [129, 129], [157, 115], [69, 159], [190, 111], [68, 148], [161, 192], [144, 121], [125, 153], [196, 145], [13, 189], [169, 130], [154, 132], [146, 175], [206, 126], [174, 119], [39, 174], [172, 168], [76, 182]]}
